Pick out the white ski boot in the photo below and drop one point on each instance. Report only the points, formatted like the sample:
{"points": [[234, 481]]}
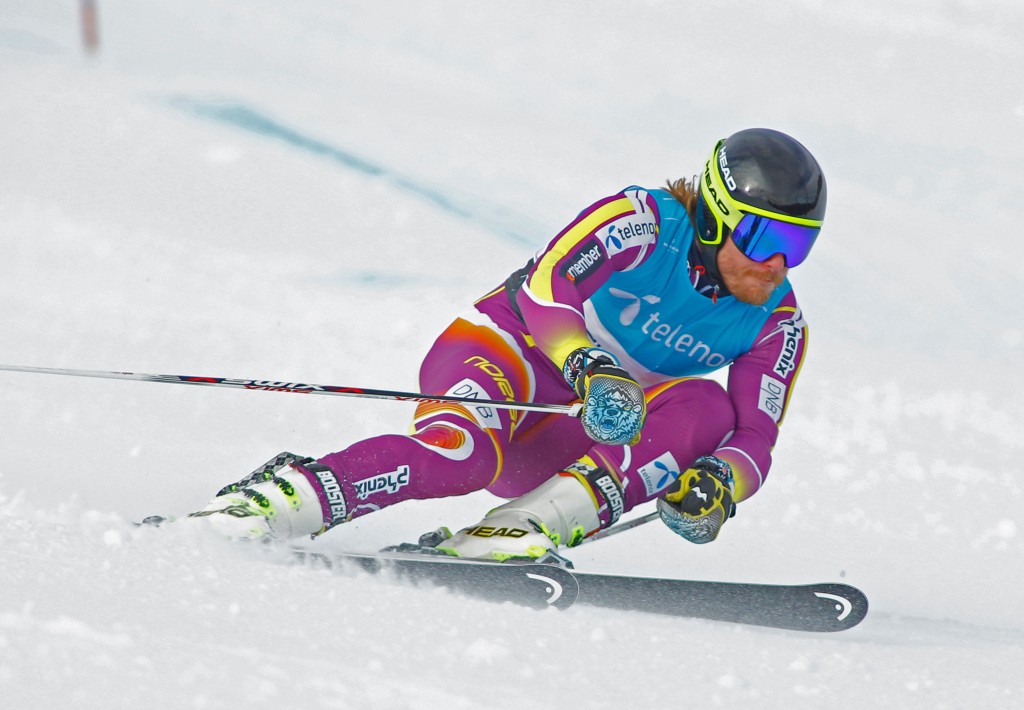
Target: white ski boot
{"points": [[286, 498], [561, 511]]}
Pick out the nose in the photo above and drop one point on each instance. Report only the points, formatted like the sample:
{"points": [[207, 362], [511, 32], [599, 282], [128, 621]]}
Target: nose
{"points": [[776, 262]]}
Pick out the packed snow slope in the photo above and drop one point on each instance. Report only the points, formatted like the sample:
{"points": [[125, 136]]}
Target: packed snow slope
{"points": [[311, 191]]}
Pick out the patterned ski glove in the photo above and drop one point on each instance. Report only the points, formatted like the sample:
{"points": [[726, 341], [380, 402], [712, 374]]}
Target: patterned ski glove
{"points": [[614, 408], [700, 501]]}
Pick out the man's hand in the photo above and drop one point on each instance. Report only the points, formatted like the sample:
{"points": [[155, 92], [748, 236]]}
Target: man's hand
{"points": [[614, 408], [700, 501]]}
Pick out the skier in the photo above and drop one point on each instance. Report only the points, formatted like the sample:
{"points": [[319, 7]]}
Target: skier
{"points": [[626, 309]]}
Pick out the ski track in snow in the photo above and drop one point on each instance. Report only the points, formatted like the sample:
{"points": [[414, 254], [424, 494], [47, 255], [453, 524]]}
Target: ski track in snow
{"points": [[311, 193], [249, 119]]}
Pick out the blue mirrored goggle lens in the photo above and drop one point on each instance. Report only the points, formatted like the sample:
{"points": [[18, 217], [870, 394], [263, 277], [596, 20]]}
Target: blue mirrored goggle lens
{"points": [[761, 237]]}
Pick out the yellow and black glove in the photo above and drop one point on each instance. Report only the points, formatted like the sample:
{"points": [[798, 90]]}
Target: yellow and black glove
{"points": [[614, 408], [700, 501]]}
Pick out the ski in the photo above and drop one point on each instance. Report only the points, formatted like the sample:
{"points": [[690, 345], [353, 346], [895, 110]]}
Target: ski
{"points": [[552, 582], [807, 607], [804, 607], [534, 585]]}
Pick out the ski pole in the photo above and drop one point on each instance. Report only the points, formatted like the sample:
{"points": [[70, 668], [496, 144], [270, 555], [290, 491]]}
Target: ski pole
{"points": [[573, 410], [621, 527]]}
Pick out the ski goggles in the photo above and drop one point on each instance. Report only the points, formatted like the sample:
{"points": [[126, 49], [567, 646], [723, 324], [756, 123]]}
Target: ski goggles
{"points": [[758, 233]]}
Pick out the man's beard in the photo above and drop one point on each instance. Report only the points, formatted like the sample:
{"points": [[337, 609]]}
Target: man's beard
{"points": [[752, 288]]}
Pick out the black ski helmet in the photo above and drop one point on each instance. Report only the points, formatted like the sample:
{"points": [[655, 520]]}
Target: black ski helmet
{"points": [[757, 171]]}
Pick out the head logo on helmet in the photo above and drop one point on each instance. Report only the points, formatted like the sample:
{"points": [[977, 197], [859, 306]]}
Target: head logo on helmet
{"points": [[766, 191], [723, 163]]}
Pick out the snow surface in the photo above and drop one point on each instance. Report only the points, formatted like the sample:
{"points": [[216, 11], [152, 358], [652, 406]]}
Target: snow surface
{"points": [[310, 191]]}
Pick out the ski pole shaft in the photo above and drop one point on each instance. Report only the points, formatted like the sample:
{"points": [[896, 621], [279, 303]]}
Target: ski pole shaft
{"points": [[302, 388], [621, 527]]}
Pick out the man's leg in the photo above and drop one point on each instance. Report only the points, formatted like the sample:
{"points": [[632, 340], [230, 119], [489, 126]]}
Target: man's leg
{"points": [[451, 449]]}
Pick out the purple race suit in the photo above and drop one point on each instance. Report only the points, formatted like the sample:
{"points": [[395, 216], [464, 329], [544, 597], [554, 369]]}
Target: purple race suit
{"points": [[617, 276]]}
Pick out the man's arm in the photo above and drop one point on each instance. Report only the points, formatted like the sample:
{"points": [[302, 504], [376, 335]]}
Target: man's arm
{"points": [[760, 386], [614, 234]]}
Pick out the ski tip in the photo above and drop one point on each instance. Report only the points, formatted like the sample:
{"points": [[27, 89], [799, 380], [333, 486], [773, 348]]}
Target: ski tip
{"points": [[153, 521], [849, 606]]}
